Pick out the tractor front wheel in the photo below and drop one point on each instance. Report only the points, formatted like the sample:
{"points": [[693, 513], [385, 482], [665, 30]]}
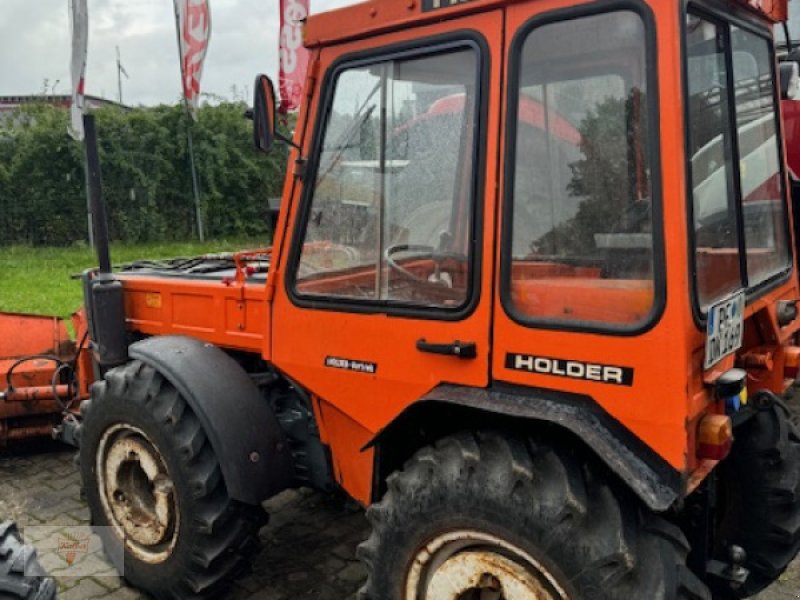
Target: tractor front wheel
{"points": [[493, 516], [155, 490]]}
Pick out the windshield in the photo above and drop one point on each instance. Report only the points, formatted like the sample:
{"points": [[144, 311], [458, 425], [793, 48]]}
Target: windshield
{"points": [[738, 201]]}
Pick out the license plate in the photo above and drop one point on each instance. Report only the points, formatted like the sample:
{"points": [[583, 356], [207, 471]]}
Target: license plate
{"points": [[724, 329]]}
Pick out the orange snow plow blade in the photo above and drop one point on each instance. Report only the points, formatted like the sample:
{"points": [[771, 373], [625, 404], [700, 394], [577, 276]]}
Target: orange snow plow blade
{"points": [[37, 382]]}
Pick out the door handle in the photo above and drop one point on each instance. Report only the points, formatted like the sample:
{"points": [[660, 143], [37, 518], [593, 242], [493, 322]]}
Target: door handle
{"points": [[457, 348]]}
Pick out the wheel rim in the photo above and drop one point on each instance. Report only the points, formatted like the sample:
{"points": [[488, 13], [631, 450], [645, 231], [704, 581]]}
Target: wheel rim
{"points": [[470, 565], [137, 493]]}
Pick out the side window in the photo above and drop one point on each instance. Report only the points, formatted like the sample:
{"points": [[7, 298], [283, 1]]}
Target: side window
{"points": [[738, 197], [390, 218], [716, 234], [763, 205], [582, 223]]}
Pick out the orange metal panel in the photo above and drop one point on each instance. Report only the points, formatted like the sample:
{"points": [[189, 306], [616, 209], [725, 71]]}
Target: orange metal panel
{"points": [[22, 335], [226, 313], [36, 372], [194, 312], [352, 466], [377, 16]]}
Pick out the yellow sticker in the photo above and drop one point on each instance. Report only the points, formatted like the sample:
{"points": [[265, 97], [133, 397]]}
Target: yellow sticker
{"points": [[152, 300], [743, 396]]}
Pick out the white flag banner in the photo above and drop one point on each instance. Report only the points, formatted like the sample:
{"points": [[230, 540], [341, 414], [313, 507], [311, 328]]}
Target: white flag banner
{"points": [[79, 20], [193, 19]]}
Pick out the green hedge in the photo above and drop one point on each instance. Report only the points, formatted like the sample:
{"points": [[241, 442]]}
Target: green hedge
{"points": [[146, 177]]}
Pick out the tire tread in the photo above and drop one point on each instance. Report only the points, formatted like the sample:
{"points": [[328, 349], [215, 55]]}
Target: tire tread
{"points": [[548, 494], [223, 531]]}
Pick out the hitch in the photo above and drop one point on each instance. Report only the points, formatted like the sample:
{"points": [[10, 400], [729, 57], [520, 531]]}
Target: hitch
{"points": [[68, 431], [732, 573]]}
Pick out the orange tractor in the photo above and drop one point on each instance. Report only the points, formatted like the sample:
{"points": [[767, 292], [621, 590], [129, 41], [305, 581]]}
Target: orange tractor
{"points": [[532, 299]]}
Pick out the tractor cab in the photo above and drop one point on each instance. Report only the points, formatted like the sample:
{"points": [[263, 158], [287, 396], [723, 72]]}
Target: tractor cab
{"points": [[568, 190]]}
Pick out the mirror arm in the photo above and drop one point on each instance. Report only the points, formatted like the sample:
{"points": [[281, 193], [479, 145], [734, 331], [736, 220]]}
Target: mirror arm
{"points": [[287, 140]]}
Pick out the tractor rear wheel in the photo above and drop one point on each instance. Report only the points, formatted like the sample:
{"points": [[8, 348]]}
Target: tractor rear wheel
{"points": [[494, 517], [155, 489], [21, 575], [759, 492]]}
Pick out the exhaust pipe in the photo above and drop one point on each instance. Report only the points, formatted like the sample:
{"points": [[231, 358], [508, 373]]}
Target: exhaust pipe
{"points": [[103, 292]]}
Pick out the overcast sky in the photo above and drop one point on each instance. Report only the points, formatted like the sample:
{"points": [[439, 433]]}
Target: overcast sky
{"points": [[35, 47]]}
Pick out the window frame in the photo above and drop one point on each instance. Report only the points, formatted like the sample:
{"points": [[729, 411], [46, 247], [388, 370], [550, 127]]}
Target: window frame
{"points": [[411, 49], [726, 16], [653, 154]]}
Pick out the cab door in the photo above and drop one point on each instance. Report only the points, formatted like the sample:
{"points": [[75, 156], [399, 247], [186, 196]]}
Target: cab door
{"points": [[582, 296], [385, 288]]}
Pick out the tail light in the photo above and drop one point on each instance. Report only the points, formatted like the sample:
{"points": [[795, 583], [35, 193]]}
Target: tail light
{"points": [[714, 437], [791, 362]]}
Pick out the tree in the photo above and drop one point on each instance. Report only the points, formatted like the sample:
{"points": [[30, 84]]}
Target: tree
{"points": [[613, 143]]}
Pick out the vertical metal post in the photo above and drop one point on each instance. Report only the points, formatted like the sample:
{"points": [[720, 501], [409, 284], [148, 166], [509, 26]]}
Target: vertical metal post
{"points": [[89, 214], [119, 76], [195, 182], [379, 280], [97, 206], [189, 140]]}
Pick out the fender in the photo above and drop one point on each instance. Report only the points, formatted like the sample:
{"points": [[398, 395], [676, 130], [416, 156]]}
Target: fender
{"points": [[448, 407], [250, 445]]}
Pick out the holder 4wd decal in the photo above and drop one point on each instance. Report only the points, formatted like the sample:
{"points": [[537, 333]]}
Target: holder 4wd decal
{"points": [[429, 5], [348, 364], [574, 369]]}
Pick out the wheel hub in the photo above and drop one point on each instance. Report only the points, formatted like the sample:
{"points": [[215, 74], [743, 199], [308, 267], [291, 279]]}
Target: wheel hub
{"points": [[137, 493], [469, 565]]}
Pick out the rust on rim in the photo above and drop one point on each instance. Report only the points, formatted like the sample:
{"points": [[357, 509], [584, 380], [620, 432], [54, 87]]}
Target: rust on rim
{"points": [[472, 565], [137, 493]]}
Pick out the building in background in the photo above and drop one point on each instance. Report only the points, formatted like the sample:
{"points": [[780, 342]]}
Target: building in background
{"points": [[9, 104]]}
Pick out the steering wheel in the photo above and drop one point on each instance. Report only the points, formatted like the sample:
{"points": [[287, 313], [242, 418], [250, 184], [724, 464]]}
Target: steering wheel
{"points": [[433, 288]]}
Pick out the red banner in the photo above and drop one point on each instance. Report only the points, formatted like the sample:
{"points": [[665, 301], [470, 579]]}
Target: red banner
{"points": [[193, 20], [294, 56]]}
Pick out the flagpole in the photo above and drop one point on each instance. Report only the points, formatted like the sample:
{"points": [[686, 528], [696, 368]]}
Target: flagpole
{"points": [[119, 76], [189, 123], [195, 182]]}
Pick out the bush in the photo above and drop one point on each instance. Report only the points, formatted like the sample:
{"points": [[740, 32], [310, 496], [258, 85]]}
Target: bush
{"points": [[146, 177]]}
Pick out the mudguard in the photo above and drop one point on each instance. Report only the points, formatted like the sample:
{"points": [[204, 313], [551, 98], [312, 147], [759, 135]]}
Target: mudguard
{"points": [[241, 427], [651, 478]]}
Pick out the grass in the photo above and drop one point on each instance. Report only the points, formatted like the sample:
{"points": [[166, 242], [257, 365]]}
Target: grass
{"points": [[37, 280]]}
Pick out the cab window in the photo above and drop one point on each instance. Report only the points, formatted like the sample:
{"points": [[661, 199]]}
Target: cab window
{"points": [[738, 202], [580, 214], [390, 219]]}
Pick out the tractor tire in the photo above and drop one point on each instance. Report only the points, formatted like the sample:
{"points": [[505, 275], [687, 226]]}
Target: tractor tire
{"points": [[21, 575], [155, 490], [492, 516], [759, 490], [791, 400]]}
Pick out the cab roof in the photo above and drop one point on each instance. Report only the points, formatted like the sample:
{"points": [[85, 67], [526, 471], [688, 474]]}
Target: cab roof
{"points": [[378, 16]]}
